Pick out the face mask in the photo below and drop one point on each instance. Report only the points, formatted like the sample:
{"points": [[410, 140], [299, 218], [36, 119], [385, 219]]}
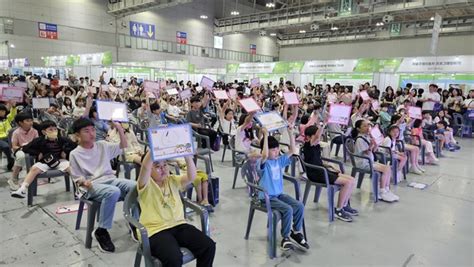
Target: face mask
{"points": [[52, 135]]}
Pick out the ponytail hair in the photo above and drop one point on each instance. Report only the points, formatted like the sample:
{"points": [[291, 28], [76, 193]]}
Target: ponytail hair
{"points": [[355, 130]]}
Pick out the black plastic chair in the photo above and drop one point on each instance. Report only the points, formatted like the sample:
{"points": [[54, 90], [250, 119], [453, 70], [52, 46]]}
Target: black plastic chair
{"points": [[273, 217], [238, 158], [332, 189], [461, 127], [128, 167], [203, 139], [338, 146], [33, 187], [144, 249], [93, 211], [374, 175]]}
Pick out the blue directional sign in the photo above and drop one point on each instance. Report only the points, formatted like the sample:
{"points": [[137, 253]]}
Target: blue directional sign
{"points": [[142, 30]]}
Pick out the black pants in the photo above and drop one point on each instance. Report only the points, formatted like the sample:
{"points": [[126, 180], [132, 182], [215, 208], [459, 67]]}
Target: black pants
{"points": [[166, 244], [208, 132]]}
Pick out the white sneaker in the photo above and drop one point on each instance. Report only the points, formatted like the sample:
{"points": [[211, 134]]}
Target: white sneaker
{"points": [[387, 197], [415, 171], [420, 169], [20, 193], [394, 197], [13, 185]]}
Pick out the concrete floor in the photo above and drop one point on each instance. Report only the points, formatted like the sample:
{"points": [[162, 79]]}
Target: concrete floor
{"points": [[431, 227]]}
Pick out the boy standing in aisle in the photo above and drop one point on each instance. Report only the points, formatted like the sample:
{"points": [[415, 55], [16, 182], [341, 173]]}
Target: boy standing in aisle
{"points": [[270, 168], [92, 172]]}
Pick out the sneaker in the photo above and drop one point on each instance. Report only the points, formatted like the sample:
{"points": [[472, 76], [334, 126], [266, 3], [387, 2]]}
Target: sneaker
{"points": [[19, 193], [394, 197], [420, 169], [133, 233], [385, 196], [13, 184], [299, 240], [342, 215], [286, 244], [416, 171], [353, 212], [103, 238]]}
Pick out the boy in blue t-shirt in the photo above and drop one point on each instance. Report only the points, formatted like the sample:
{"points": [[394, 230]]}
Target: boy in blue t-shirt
{"points": [[270, 169]]}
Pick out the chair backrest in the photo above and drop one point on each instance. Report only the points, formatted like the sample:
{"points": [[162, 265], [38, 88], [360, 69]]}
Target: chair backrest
{"points": [[131, 202], [250, 176], [232, 142], [349, 145], [66, 123]]}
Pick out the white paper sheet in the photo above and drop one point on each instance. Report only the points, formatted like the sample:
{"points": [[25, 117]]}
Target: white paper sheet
{"points": [[198, 89], [150, 86], [375, 105], [63, 83], [249, 104], [41, 103], [221, 94], [271, 120], [233, 93], [255, 82], [96, 84], [291, 98], [21, 84], [171, 142], [172, 91], [339, 114], [114, 111]]}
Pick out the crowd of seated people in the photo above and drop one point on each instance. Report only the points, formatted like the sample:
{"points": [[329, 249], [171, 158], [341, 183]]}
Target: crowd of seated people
{"points": [[87, 148]]}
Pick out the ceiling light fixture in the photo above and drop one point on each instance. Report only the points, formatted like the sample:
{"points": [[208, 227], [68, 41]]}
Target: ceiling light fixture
{"points": [[379, 24], [432, 18], [334, 28], [302, 31], [273, 34], [203, 17], [235, 13], [270, 5]]}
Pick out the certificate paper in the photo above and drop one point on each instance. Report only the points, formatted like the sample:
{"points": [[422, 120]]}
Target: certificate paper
{"points": [[415, 112], [171, 142], [375, 105], [207, 82], [150, 86], [12, 94], [221, 94], [377, 135], [172, 91], [249, 104], [114, 111], [63, 83], [233, 93], [271, 120], [365, 96], [255, 82], [21, 84], [291, 98], [339, 114], [41, 103], [185, 94]]}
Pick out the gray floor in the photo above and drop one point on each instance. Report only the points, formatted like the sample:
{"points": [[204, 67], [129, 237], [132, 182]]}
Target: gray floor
{"points": [[433, 227]]}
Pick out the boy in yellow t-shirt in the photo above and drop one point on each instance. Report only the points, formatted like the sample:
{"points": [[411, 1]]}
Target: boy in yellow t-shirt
{"points": [[162, 214], [7, 114]]}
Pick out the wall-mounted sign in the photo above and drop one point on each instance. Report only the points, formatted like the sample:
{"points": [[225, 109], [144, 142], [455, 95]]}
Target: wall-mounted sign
{"points": [[181, 38], [218, 42], [253, 49], [48, 30], [142, 30]]}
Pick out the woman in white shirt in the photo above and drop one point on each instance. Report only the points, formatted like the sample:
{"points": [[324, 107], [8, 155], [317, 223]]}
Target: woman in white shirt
{"points": [[391, 142]]}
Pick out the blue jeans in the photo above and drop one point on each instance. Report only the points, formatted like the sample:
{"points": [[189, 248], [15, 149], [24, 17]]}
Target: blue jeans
{"points": [[292, 212], [108, 193]]}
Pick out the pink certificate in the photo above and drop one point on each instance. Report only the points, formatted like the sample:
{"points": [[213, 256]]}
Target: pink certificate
{"points": [[377, 135], [233, 93], [365, 96], [415, 112], [249, 104], [339, 114], [375, 105], [291, 98], [221, 94]]}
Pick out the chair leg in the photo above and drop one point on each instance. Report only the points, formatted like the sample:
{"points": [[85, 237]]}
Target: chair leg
{"points": [[223, 154], [307, 189], [117, 172], [210, 160], [67, 182], [375, 187], [91, 212], [330, 190], [361, 178], [423, 155], [273, 237], [127, 172], [317, 193], [138, 259], [79, 215], [338, 146], [32, 190], [249, 222], [236, 172]]}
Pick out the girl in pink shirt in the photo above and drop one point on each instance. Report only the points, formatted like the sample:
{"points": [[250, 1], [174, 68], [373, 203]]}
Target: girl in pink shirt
{"points": [[418, 131]]}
